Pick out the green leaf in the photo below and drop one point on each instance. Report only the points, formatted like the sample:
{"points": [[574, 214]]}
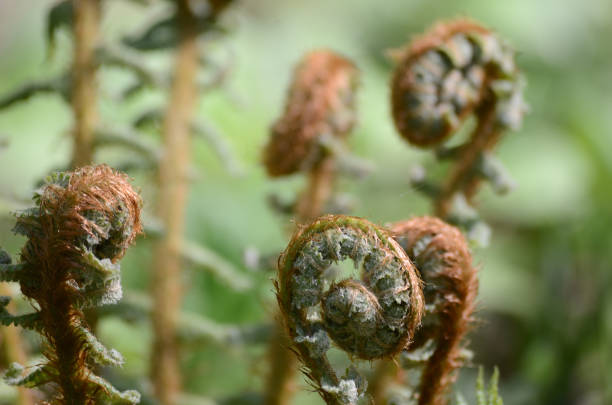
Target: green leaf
{"points": [[192, 328], [60, 16], [110, 393], [59, 85], [121, 57], [27, 321], [219, 145], [129, 140], [202, 257], [35, 377], [98, 353]]}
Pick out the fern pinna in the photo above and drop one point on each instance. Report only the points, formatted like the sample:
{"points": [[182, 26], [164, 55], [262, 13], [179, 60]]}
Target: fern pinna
{"points": [[457, 69], [82, 224]]}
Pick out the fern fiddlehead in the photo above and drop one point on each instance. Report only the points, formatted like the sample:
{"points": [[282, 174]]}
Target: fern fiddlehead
{"points": [[81, 226], [371, 318], [321, 104], [441, 255], [457, 69]]}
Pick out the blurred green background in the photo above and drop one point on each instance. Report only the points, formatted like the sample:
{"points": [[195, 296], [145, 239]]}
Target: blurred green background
{"points": [[544, 305]]}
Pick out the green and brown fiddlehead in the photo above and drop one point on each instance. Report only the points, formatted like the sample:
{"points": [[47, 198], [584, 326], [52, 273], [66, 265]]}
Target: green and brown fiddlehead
{"points": [[82, 224], [441, 255], [369, 318], [457, 69], [321, 104]]}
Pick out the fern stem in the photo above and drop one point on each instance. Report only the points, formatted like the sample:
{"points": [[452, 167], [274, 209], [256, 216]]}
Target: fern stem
{"points": [[280, 384], [462, 177], [173, 190], [317, 192], [385, 374], [84, 91]]}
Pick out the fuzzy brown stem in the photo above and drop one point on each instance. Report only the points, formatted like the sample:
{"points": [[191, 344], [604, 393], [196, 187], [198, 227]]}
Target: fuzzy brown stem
{"points": [[386, 374], [61, 322], [173, 190], [15, 350], [462, 178], [84, 87], [280, 385], [439, 373], [320, 186]]}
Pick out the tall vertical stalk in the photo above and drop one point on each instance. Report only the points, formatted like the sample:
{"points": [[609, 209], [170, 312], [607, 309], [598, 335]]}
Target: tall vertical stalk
{"points": [[173, 190], [315, 196], [84, 87]]}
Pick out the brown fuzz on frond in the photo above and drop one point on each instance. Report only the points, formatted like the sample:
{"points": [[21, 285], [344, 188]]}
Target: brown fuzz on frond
{"points": [[440, 79], [321, 102], [84, 220], [440, 253]]}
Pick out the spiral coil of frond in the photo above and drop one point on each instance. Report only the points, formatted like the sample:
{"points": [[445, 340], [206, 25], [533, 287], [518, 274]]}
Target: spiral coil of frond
{"points": [[456, 70], [371, 318]]}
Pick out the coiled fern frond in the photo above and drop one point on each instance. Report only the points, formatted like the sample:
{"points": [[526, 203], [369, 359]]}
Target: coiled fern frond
{"points": [[369, 318], [82, 224]]}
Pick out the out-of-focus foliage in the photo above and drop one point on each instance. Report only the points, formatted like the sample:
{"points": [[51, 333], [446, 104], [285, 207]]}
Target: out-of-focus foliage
{"points": [[544, 300]]}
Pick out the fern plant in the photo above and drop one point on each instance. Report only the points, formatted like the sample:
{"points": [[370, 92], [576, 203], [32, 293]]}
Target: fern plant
{"points": [[307, 139], [371, 318], [458, 69], [82, 224]]}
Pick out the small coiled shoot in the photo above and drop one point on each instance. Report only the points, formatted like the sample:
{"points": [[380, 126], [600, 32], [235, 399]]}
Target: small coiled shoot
{"points": [[369, 318], [321, 101], [456, 70], [319, 113], [441, 255]]}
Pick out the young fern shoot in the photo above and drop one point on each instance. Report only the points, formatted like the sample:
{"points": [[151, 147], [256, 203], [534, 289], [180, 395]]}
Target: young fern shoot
{"points": [[320, 108], [440, 253], [456, 70], [82, 224], [369, 318]]}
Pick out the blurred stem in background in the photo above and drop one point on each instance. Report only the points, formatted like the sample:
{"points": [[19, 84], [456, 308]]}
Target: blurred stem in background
{"points": [[84, 84], [173, 190]]}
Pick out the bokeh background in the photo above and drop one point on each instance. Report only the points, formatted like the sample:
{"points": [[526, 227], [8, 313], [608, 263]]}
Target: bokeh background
{"points": [[545, 301]]}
